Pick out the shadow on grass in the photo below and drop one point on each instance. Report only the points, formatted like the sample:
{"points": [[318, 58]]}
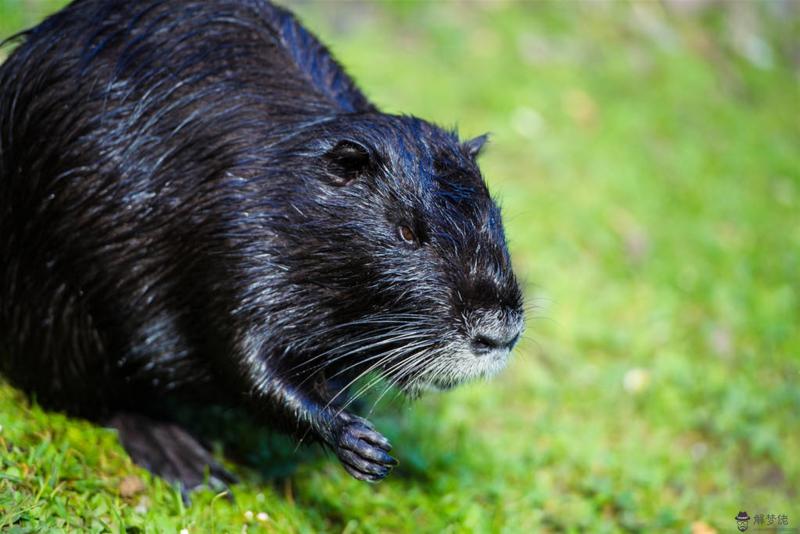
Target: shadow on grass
{"points": [[274, 456]]}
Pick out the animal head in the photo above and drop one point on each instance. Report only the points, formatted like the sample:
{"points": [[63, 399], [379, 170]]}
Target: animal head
{"points": [[392, 231]]}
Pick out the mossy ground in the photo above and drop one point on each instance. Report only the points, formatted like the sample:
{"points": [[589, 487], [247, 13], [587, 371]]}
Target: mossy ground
{"points": [[648, 161]]}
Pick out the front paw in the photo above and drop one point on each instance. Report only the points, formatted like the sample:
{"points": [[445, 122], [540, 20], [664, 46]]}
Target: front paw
{"points": [[362, 450]]}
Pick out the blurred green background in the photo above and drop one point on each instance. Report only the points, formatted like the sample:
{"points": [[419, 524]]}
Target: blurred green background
{"points": [[647, 156]]}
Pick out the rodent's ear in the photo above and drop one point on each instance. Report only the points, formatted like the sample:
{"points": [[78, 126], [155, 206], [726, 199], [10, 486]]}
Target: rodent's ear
{"points": [[474, 146], [347, 161]]}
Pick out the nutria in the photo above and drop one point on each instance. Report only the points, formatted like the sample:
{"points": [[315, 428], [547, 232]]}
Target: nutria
{"points": [[197, 203]]}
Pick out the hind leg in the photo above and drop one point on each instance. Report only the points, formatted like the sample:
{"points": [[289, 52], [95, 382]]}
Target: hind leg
{"points": [[167, 450]]}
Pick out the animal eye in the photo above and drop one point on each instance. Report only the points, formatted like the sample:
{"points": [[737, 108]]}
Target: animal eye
{"points": [[407, 234]]}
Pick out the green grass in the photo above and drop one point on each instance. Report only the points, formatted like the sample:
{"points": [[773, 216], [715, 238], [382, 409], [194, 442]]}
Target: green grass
{"points": [[648, 162]]}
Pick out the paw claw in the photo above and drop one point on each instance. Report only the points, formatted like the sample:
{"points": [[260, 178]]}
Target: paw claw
{"points": [[369, 434], [363, 451]]}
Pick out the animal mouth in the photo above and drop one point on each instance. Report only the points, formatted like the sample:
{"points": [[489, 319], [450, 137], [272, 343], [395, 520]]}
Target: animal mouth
{"points": [[414, 361], [454, 369]]}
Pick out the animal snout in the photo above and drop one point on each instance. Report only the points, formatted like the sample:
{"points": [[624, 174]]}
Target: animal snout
{"points": [[494, 335]]}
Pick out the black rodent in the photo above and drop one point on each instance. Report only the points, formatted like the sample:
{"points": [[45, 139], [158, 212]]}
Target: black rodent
{"points": [[196, 202]]}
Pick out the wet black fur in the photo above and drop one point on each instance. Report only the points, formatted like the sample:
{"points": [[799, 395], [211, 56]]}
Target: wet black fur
{"points": [[196, 201]]}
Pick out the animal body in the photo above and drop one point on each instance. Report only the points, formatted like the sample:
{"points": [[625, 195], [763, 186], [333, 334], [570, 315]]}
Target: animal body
{"points": [[197, 203]]}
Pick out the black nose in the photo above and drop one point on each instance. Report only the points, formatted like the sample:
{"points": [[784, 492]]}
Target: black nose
{"points": [[497, 339]]}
